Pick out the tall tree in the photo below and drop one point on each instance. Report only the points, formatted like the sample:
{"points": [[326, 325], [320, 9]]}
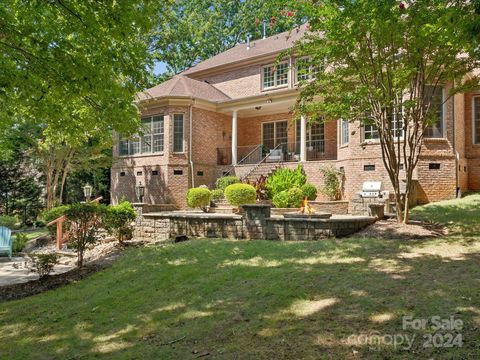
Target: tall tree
{"points": [[197, 30], [381, 62], [75, 65]]}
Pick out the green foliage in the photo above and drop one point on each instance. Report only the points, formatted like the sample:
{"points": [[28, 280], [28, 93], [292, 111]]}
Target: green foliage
{"points": [[309, 191], [223, 182], [240, 194], [199, 197], [84, 221], [20, 192], [295, 197], [285, 179], [331, 182], [118, 220], [19, 242], [80, 73], [207, 28], [52, 214], [280, 200], [40, 223], [8, 221], [43, 264], [217, 195]]}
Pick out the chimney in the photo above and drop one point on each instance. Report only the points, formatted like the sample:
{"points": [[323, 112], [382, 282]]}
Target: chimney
{"points": [[248, 41], [264, 29]]}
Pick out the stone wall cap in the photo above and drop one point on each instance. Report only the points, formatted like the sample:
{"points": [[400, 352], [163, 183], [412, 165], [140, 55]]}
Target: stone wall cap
{"points": [[191, 215], [256, 206]]}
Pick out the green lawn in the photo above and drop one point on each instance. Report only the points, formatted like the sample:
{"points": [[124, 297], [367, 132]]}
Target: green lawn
{"points": [[33, 234], [261, 299]]}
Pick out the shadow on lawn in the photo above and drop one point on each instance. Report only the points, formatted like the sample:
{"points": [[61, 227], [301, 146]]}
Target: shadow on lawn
{"points": [[253, 300]]}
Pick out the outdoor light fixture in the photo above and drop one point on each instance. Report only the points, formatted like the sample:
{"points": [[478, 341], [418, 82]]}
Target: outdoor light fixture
{"points": [[140, 191], [87, 191]]}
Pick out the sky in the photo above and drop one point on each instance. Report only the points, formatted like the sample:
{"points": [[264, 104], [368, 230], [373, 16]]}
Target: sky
{"points": [[159, 68]]}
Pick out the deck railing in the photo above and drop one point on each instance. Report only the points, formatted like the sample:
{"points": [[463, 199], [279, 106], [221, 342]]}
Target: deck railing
{"points": [[250, 154]]}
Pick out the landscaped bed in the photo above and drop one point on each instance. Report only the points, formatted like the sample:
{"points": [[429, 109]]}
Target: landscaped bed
{"points": [[262, 299]]}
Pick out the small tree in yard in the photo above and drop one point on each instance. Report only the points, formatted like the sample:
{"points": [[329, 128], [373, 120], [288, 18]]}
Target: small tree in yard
{"points": [[118, 220], [387, 63], [85, 219]]}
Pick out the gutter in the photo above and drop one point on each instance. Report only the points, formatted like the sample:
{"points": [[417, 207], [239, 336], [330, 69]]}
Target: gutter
{"points": [[458, 192], [190, 158]]}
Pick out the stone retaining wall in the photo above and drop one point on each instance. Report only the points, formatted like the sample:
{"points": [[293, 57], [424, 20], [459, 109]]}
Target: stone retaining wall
{"points": [[256, 223]]}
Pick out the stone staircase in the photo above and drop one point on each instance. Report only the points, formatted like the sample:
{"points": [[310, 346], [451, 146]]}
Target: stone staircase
{"points": [[265, 169]]}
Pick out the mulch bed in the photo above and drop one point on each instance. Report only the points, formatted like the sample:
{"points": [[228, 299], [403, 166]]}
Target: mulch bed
{"points": [[49, 282], [390, 229]]}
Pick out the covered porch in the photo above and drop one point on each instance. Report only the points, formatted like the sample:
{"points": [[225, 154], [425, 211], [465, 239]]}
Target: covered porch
{"points": [[266, 131]]}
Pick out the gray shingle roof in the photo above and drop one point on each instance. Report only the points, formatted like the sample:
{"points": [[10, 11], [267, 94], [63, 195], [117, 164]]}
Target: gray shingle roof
{"points": [[180, 85], [270, 45]]}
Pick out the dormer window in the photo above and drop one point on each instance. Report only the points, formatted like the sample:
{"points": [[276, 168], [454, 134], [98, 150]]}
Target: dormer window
{"points": [[275, 76]]}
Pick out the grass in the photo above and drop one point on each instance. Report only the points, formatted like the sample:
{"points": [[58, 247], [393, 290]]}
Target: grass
{"points": [[33, 234], [261, 299]]}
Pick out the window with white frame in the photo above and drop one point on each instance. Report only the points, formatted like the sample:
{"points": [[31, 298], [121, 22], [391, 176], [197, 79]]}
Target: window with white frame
{"points": [[305, 71], [275, 76], [315, 136], [476, 120], [344, 135], [178, 129], [434, 95], [151, 140], [370, 132]]}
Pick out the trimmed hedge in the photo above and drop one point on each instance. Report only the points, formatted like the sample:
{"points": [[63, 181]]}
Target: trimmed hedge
{"points": [[199, 197], [309, 191], [240, 194], [217, 195], [225, 181]]}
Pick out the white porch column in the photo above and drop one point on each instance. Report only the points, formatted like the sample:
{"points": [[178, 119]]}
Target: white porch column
{"points": [[303, 138], [234, 138]]}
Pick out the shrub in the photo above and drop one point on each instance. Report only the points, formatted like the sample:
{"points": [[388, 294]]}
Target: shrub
{"points": [[84, 221], [260, 187], [240, 194], [217, 195], [225, 181], [284, 179], [280, 200], [52, 214], [118, 220], [8, 221], [295, 197], [40, 223], [19, 242], [199, 197], [309, 191], [43, 264], [331, 187]]}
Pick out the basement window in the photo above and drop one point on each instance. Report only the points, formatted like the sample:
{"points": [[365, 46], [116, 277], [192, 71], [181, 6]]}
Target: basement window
{"points": [[139, 173], [199, 173], [155, 172], [368, 167], [177, 172], [434, 166], [122, 173]]}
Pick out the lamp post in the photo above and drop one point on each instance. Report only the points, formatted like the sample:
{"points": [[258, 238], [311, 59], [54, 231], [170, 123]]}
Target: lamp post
{"points": [[87, 191], [140, 191]]}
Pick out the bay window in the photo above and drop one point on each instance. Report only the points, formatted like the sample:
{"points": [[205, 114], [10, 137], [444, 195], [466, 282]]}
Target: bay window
{"points": [[178, 129], [434, 96], [150, 141]]}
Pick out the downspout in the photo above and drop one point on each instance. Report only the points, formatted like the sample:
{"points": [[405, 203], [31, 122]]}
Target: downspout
{"points": [[190, 157], [458, 192]]}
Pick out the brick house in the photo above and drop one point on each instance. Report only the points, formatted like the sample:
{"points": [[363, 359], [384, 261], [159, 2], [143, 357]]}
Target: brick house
{"points": [[231, 112]]}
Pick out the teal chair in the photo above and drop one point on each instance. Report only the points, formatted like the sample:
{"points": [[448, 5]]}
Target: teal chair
{"points": [[6, 241]]}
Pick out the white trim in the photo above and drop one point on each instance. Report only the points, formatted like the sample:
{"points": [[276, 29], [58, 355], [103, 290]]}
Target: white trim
{"points": [[274, 130], [473, 119], [341, 133], [275, 86], [444, 110]]}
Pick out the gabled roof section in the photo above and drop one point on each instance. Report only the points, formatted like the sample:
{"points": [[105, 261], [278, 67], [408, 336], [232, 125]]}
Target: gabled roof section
{"points": [[180, 85], [258, 48]]}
